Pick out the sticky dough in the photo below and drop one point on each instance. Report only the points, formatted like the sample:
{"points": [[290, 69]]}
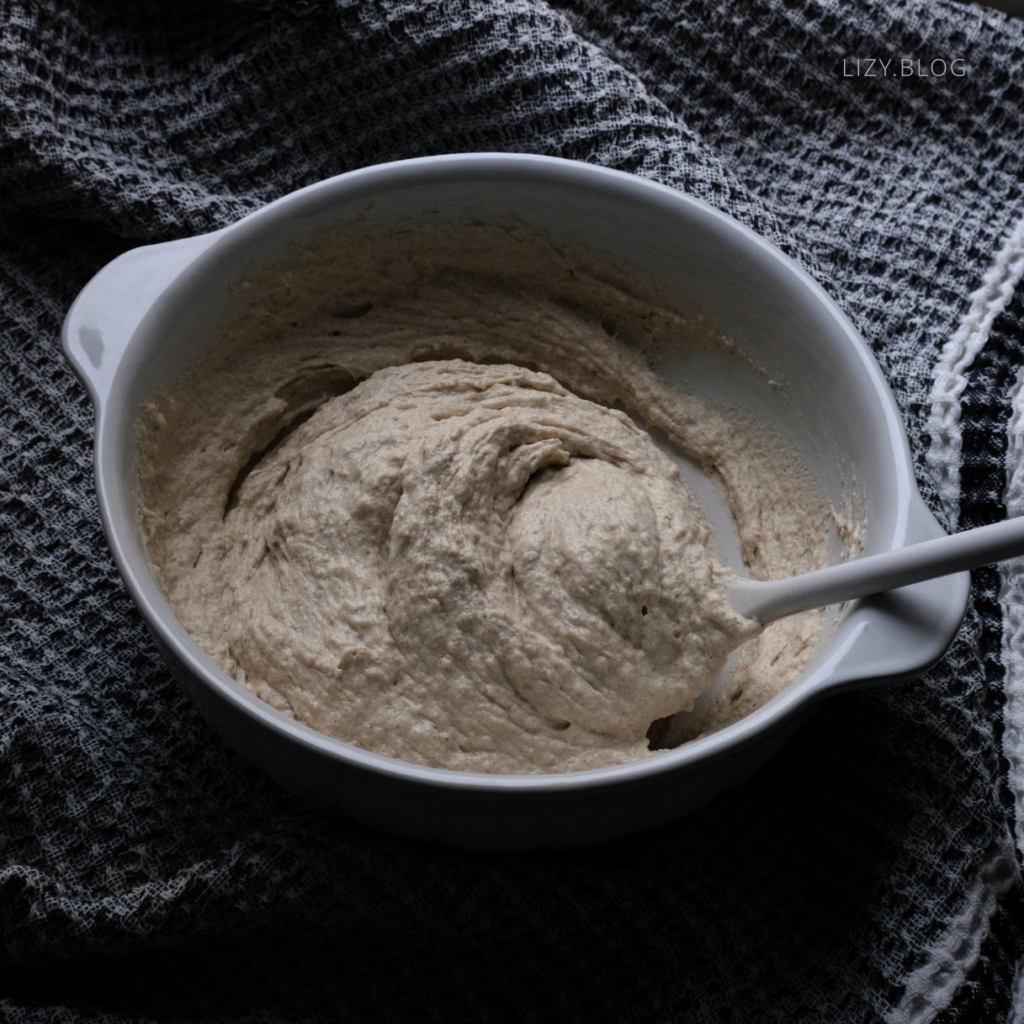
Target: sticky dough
{"points": [[411, 517]]}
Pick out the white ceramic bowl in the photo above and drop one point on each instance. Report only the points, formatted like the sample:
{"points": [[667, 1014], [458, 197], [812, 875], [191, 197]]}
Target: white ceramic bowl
{"points": [[147, 314]]}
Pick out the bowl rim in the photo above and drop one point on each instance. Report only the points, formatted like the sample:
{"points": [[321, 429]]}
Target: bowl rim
{"points": [[191, 257]]}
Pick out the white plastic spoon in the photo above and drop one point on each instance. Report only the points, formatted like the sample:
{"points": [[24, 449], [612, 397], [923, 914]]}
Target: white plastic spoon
{"points": [[873, 574]]}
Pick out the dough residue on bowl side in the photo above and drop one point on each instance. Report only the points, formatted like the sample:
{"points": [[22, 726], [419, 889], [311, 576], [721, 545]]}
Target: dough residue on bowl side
{"points": [[400, 499]]}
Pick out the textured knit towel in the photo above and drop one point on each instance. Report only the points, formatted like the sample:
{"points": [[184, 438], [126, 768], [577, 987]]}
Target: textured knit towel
{"points": [[870, 873]]}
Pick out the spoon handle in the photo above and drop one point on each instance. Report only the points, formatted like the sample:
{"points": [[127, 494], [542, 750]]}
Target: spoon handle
{"points": [[873, 574]]}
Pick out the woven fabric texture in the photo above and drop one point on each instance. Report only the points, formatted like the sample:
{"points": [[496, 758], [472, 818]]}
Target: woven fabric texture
{"points": [[869, 873]]}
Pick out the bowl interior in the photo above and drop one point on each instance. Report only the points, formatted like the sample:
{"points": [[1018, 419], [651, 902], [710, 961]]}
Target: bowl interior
{"points": [[819, 388]]}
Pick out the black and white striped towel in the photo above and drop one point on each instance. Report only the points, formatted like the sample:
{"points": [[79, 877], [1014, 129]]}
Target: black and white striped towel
{"points": [[870, 873]]}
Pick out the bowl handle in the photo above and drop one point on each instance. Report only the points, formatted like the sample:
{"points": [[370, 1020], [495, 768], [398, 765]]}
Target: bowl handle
{"points": [[910, 628], [107, 312]]}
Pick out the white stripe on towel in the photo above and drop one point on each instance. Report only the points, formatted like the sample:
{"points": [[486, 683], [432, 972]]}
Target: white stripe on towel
{"points": [[931, 987], [1011, 600], [950, 376]]}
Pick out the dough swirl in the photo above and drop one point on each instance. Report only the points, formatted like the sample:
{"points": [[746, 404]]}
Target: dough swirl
{"points": [[414, 518]]}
